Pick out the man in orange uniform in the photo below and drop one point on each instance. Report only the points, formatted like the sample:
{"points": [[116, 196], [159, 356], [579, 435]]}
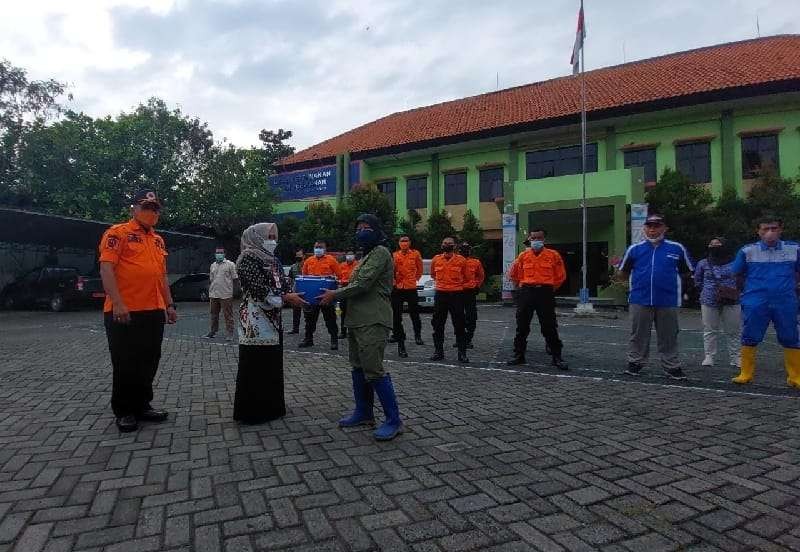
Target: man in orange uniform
{"points": [[475, 275], [345, 270], [538, 272], [449, 272], [138, 303], [321, 264], [407, 272]]}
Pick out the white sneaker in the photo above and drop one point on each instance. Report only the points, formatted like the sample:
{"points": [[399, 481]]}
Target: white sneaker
{"points": [[708, 361]]}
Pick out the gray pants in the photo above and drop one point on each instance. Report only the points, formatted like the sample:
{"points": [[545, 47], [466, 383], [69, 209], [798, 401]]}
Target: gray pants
{"points": [[666, 319], [719, 321]]}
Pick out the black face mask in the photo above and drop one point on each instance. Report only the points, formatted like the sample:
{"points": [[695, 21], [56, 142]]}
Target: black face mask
{"points": [[448, 248], [465, 251]]}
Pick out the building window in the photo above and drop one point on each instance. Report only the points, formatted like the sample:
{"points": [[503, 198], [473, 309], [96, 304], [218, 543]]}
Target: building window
{"points": [[694, 161], [388, 187], [645, 158], [559, 161], [759, 152], [417, 192], [455, 188], [491, 183]]}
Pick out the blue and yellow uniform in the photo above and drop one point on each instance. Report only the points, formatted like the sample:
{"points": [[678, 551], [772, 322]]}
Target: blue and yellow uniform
{"points": [[770, 283]]}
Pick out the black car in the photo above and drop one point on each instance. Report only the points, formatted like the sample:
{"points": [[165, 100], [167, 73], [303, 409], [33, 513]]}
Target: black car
{"points": [[55, 287], [192, 287]]}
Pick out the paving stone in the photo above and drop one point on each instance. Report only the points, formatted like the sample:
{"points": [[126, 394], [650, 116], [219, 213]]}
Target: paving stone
{"points": [[720, 520], [472, 503]]}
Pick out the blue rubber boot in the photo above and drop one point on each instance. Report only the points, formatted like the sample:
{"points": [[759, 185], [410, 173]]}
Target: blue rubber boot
{"points": [[392, 425], [362, 393]]}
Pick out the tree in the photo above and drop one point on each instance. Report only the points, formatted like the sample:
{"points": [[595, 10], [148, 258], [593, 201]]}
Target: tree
{"points": [[318, 224], [363, 198], [288, 233], [438, 227], [686, 207], [228, 194], [274, 148], [472, 233], [410, 227], [24, 104]]}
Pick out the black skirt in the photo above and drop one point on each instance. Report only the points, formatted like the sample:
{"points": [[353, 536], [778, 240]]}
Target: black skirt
{"points": [[259, 384]]}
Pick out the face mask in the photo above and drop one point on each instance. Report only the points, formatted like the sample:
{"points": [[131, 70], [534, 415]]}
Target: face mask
{"points": [[350, 258], [319, 251], [405, 246], [449, 248], [537, 245], [219, 256], [656, 240], [298, 257], [270, 245], [366, 238], [147, 217]]}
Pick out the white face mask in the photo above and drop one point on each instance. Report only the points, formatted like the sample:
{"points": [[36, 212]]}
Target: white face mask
{"points": [[350, 258], [270, 245], [656, 240], [319, 251]]}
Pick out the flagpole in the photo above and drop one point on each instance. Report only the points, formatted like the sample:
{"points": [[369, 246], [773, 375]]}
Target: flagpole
{"points": [[584, 305]]}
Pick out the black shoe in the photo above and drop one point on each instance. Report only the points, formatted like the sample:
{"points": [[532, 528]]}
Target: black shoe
{"points": [[334, 343], [392, 339], [151, 415], [462, 356], [675, 373], [516, 361], [293, 332], [438, 355], [633, 369], [401, 349], [306, 343], [560, 364], [210, 335], [418, 340], [127, 423]]}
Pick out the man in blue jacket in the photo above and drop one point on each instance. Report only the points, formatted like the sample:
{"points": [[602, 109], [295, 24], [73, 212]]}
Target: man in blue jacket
{"points": [[770, 268], [654, 267]]}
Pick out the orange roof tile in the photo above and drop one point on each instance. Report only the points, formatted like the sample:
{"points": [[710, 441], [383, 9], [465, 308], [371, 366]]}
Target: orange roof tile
{"points": [[736, 65]]}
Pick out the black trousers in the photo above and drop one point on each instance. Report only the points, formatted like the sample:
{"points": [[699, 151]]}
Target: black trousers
{"points": [[451, 302], [328, 314], [542, 301], [296, 312], [135, 353], [470, 312], [400, 296]]}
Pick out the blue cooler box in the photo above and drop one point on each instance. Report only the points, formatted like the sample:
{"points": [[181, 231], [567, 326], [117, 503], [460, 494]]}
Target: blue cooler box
{"points": [[313, 286]]}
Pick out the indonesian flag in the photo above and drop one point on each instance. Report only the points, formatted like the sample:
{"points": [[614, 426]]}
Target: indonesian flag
{"points": [[580, 34]]}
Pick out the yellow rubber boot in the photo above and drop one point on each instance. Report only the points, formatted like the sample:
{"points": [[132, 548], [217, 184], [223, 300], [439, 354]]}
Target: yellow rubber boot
{"points": [[748, 369], [791, 361]]}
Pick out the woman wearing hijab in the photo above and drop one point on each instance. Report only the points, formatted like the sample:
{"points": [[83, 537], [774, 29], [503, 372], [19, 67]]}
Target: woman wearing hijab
{"points": [[368, 321], [259, 380], [719, 302]]}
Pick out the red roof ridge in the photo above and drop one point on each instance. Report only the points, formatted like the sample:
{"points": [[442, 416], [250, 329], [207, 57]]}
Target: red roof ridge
{"points": [[360, 139]]}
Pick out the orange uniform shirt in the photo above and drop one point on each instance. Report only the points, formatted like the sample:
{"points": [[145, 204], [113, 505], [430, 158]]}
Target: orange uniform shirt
{"points": [[545, 268], [140, 264], [475, 273], [407, 268], [449, 274], [322, 266], [345, 270]]}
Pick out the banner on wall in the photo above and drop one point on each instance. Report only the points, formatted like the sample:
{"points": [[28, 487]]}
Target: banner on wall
{"points": [[638, 216], [305, 184], [509, 252]]}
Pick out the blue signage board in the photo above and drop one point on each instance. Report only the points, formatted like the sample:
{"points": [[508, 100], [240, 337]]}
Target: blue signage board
{"points": [[317, 182]]}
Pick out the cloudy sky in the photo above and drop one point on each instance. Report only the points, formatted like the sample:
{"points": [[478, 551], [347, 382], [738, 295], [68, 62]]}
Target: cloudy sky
{"points": [[321, 67]]}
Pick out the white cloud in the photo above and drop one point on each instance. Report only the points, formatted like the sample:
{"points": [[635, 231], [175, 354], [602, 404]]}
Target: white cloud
{"points": [[320, 68]]}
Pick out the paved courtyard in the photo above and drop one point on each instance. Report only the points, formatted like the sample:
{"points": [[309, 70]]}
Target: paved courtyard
{"points": [[491, 459]]}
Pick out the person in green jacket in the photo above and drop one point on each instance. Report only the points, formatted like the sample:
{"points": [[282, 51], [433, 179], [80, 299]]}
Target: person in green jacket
{"points": [[368, 321]]}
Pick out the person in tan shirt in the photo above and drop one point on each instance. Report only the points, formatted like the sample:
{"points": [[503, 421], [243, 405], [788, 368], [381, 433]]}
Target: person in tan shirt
{"points": [[221, 276]]}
